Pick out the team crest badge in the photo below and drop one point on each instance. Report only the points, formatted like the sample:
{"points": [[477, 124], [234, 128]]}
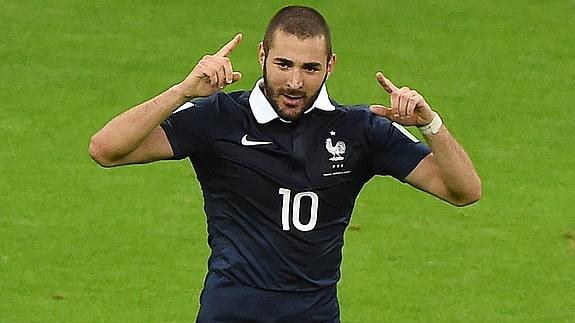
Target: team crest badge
{"points": [[336, 150]]}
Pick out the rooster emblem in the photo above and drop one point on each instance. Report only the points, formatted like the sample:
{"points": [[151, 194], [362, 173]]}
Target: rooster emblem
{"points": [[336, 151]]}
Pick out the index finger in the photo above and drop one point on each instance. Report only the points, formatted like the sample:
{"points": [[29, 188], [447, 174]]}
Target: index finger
{"points": [[386, 83], [229, 47]]}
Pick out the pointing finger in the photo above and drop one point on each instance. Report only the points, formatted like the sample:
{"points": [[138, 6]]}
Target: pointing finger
{"points": [[387, 85], [229, 47]]}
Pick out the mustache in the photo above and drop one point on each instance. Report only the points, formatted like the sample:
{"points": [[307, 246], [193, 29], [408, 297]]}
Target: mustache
{"points": [[292, 92]]}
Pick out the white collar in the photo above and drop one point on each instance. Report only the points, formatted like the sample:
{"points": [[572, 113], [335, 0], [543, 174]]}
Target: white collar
{"points": [[264, 113]]}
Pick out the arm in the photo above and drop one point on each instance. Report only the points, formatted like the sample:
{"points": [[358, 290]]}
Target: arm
{"points": [[447, 172], [135, 136]]}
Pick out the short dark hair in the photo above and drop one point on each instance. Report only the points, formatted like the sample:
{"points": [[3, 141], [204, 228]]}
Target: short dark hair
{"points": [[303, 22]]}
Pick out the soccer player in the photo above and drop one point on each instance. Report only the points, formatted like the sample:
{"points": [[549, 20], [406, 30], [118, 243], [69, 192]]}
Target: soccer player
{"points": [[281, 165]]}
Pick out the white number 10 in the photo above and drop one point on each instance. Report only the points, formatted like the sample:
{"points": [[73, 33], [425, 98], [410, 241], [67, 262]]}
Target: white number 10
{"points": [[296, 203]]}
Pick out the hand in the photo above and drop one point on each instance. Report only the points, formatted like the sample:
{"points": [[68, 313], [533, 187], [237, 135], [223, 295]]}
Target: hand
{"points": [[212, 73], [408, 108]]}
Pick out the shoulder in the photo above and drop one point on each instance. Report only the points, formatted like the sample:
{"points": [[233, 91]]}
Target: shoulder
{"points": [[375, 128], [233, 99], [223, 100], [214, 106], [360, 115]]}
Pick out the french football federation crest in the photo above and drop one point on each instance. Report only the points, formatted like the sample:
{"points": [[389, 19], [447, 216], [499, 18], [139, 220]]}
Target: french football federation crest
{"points": [[337, 151]]}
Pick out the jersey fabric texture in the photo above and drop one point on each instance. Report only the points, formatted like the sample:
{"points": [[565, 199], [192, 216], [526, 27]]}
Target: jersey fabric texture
{"points": [[278, 195], [224, 300]]}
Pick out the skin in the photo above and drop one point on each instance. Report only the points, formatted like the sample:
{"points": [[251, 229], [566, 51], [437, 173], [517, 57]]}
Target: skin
{"points": [[135, 136], [447, 172], [294, 69]]}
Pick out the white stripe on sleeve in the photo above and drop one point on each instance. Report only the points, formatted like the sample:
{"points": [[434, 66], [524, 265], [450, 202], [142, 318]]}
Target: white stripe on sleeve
{"points": [[405, 132], [184, 106]]}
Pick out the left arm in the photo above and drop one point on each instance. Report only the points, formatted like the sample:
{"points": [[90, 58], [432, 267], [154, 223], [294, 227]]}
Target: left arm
{"points": [[447, 172]]}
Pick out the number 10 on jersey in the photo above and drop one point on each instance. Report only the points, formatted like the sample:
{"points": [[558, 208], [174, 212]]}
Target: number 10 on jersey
{"points": [[295, 206]]}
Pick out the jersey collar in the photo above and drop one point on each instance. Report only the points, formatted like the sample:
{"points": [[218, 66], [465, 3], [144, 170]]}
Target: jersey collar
{"points": [[264, 113]]}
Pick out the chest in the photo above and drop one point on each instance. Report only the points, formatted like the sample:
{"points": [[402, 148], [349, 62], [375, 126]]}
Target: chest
{"points": [[312, 154]]}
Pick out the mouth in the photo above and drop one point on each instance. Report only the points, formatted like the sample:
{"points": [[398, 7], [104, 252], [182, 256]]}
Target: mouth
{"points": [[292, 99]]}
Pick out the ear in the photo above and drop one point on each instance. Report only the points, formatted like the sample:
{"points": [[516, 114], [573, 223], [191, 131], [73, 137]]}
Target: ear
{"points": [[331, 64], [261, 54]]}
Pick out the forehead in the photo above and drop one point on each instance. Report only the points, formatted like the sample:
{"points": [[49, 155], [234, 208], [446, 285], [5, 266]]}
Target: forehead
{"points": [[289, 46]]}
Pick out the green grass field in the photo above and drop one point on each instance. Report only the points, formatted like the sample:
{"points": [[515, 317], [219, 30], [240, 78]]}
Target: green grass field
{"points": [[79, 243]]}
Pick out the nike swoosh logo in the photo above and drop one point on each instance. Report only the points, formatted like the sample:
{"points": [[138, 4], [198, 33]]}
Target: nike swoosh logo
{"points": [[247, 142]]}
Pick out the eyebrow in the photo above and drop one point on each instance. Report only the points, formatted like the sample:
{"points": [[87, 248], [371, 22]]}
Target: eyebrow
{"points": [[310, 65], [283, 60], [313, 65]]}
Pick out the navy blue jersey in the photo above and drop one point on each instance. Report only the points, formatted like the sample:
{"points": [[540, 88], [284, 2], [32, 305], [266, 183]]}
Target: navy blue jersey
{"points": [[279, 195], [224, 300]]}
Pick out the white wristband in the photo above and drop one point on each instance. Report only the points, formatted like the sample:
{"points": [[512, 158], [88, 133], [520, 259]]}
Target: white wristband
{"points": [[433, 126]]}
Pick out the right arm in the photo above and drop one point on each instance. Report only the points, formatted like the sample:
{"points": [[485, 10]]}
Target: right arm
{"points": [[135, 136]]}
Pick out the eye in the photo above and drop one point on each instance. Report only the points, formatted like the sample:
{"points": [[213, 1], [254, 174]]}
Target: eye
{"points": [[312, 68], [283, 65]]}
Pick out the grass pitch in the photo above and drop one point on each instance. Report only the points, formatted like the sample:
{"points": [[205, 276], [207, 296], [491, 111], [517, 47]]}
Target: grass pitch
{"points": [[79, 243]]}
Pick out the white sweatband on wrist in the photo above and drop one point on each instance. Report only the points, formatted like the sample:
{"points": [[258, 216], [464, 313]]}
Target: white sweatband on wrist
{"points": [[433, 126]]}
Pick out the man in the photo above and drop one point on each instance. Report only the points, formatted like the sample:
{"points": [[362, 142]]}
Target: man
{"points": [[281, 166]]}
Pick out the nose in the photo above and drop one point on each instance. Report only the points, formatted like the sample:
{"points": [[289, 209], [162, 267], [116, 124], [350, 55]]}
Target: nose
{"points": [[295, 79]]}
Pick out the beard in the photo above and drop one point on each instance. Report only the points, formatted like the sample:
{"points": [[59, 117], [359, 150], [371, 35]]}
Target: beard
{"points": [[289, 113]]}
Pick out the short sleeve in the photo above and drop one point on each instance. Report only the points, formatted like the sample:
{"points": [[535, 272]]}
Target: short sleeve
{"points": [[395, 151], [190, 128]]}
